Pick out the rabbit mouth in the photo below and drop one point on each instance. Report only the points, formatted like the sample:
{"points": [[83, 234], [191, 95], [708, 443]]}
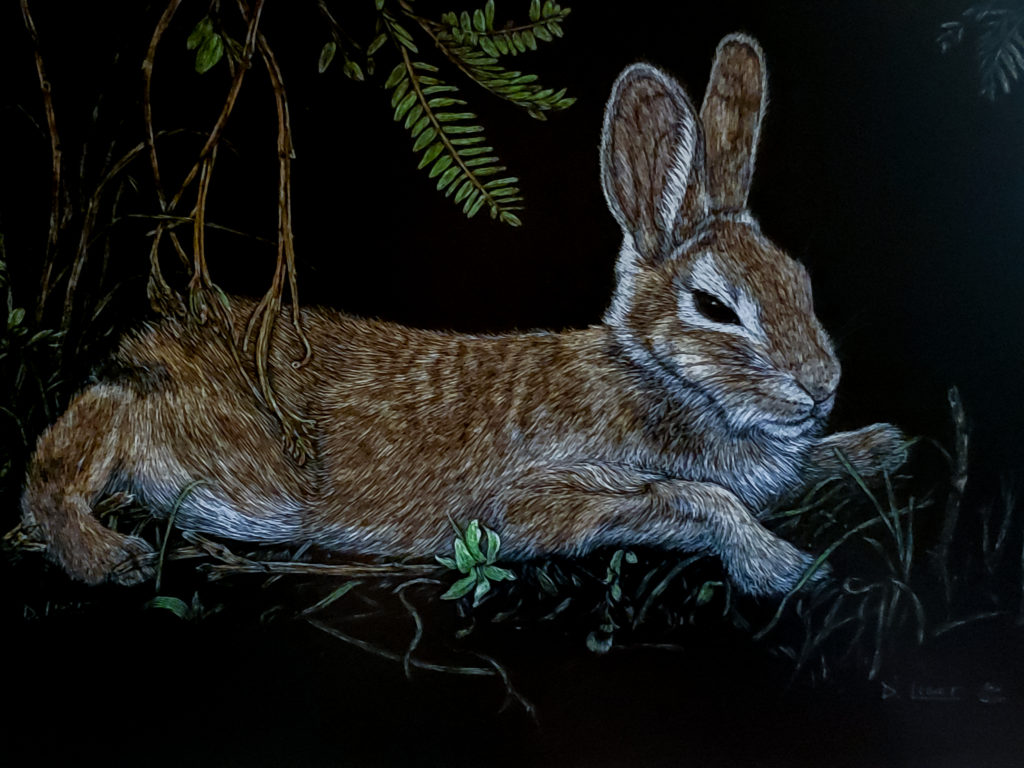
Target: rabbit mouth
{"points": [[791, 429]]}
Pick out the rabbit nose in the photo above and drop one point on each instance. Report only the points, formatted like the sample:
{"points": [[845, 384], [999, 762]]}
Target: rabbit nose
{"points": [[820, 382]]}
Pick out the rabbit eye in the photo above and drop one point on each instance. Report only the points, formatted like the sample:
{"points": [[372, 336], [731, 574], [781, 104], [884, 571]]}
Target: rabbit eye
{"points": [[714, 309]]}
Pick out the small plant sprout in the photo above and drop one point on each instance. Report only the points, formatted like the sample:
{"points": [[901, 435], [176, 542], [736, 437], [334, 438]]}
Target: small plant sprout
{"points": [[476, 562]]}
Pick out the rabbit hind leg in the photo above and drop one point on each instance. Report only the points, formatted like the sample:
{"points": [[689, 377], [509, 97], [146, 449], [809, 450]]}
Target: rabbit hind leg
{"points": [[74, 464]]}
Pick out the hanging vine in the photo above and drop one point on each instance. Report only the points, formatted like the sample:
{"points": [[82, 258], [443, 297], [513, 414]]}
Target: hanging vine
{"points": [[446, 136]]}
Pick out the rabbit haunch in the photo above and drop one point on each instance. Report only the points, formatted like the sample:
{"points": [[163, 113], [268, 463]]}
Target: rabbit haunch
{"points": [[696, 404]]}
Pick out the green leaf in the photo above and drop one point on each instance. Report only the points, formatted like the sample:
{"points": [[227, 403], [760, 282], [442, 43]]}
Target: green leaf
{"points": [[175, 605], [378, 41], [511, 219], [404, 105], [413, 116], [534, 10], [396, 74], [460, 588], [379, 4], [424, 139], [707, 591], [489, 47], [493, 540], [464, 189], [200, 32], [483, 586], [489, 14], [399, 93], [631, 557], [473, 209], [473, 532], [447, 562], [615, 566], [420, 125], [440, 166], [335, 595], [327, 56], [440, 88], [210, 52], [546, 582], [15, 318], [444, 101], [353, 71], [463, 558], [443, 182], [403, 36], [494, 573], [431, 154], [479, 22]]}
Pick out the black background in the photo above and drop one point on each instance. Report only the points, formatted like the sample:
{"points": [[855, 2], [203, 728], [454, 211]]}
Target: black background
{"points": [[880, 168]]}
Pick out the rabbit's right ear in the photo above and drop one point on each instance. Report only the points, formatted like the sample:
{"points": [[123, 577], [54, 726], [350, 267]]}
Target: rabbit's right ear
{"points": [[652, 161], [733, 109]]}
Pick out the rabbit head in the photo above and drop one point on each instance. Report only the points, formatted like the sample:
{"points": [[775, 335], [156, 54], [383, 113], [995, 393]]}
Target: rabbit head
{"points": [[704, 301]]}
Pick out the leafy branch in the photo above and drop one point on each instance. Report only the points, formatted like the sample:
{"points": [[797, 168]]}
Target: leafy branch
{"points": [[454, 149], [478, 30]]}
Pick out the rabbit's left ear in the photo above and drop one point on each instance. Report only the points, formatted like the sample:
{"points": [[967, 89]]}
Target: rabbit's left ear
{"points": [[652, 161], [732, 112]]}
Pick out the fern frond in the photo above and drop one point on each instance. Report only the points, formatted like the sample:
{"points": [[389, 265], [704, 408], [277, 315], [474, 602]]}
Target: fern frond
{"points": [[1000, 44], [454, 149], [1000, 58], [477, 30]]}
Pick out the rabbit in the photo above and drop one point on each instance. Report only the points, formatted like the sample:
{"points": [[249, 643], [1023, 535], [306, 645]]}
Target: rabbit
{"points": [[695, 405]]}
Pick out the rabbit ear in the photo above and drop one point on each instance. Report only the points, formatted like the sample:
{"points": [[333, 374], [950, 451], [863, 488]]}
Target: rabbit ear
{"points": [[733, 108], [652, 160]]}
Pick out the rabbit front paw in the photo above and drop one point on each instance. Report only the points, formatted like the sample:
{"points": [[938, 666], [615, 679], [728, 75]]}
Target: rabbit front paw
{"points": [[872, 451]]}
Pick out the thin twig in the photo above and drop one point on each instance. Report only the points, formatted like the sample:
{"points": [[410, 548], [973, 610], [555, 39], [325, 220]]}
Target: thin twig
{"points": [[392, 656], [417, 621], [170, 527], [953, 501], [85, 235], [322, 569], [160, 294], [56, 163], [147, 90], [295, 427]]}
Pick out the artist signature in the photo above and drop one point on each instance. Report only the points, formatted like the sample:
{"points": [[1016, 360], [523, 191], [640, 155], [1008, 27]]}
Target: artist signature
{"points": [[985, 693]]}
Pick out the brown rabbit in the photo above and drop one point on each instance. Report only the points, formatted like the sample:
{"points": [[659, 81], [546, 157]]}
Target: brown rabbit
{"points": [[696, 404]]}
